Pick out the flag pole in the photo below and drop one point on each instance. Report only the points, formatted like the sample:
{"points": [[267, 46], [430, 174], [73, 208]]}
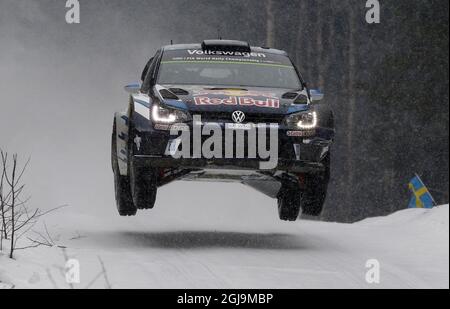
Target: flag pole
{"points": [[432, 198]]}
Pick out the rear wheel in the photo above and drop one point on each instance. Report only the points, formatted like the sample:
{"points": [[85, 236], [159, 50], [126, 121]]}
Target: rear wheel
{"points": [[315, 192], [289, 204], [124, 201]]}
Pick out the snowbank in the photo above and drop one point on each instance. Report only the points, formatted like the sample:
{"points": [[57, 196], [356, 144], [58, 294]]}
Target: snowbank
{"points": [[412, 247], [437, 217]]}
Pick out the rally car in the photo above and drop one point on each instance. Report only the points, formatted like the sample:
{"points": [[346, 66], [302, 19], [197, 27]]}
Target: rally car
{"points": [[209, 112]]}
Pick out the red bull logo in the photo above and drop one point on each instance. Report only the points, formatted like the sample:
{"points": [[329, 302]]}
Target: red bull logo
{"points": [[241, 101]]}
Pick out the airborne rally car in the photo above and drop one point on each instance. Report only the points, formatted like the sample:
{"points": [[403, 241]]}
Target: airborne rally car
{"points": [[223, 111]]}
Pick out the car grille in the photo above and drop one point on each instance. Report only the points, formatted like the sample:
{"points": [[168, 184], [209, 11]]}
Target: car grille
{"points": [[249, 118]]}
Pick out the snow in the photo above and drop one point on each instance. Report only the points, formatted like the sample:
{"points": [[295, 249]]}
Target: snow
{"points": [[206, 244]]}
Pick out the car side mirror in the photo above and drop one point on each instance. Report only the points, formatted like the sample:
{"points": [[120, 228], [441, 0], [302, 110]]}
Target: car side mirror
{"points": [[316, 95], [145, 71], [133, 88]]}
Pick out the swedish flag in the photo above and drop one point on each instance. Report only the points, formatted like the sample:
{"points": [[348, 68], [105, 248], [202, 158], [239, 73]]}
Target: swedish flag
{"points": [[421, 198]]}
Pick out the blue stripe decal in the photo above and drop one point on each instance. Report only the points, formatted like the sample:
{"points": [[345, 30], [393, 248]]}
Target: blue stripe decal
{"points": [[125, 118], [123, 136], [143, 103], [176, 104], [297, 108]]}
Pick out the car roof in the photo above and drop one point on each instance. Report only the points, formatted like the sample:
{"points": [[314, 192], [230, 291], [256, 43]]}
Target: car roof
{"points": [[254, 49]]}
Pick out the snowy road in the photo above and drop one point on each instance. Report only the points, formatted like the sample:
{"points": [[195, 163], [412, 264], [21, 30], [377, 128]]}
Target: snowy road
{"points": [[242, 244]]}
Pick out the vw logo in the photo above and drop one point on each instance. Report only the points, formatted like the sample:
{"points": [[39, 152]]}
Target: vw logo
{"points": [[238, 116]]}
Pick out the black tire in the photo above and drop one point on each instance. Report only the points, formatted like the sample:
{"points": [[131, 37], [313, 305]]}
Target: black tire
{"points": [[143, 182], [124, 201], [315, 193], [289, 204]]}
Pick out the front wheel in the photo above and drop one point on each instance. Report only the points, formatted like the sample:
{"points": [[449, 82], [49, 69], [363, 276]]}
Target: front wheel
{"points": [[143, 183], [315, 192], [124, 201], [289, 204], [143, 187]]}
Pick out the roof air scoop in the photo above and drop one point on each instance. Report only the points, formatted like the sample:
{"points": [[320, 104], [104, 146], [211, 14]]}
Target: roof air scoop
{"points": [[166, 94], [179, 91], [226, 45]]}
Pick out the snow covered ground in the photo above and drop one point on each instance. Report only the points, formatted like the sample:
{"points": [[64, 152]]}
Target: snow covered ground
{"points": [[217, 244]]}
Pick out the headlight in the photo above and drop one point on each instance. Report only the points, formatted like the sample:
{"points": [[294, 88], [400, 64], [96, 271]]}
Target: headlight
{"points": [[305, 120], [168, 115]]}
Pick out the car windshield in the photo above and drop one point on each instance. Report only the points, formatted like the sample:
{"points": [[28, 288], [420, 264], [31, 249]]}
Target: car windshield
{"points": [[197, 67]]}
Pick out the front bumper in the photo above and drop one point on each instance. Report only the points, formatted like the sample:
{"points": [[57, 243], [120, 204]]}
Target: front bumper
{"points": [[296, 153]]}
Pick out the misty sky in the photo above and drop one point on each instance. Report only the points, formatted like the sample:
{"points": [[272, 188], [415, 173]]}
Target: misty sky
{"points": [[60, 85]]}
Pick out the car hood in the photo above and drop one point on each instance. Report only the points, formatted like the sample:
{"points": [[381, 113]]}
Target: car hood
{"points": [[224, 99]]}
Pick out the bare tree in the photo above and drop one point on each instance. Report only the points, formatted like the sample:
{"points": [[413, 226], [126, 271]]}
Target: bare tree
{"points": [[351, 89], [62, 271], [103, 273], [319, 59], [3, 201], [270, 24], [17, 218]]}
